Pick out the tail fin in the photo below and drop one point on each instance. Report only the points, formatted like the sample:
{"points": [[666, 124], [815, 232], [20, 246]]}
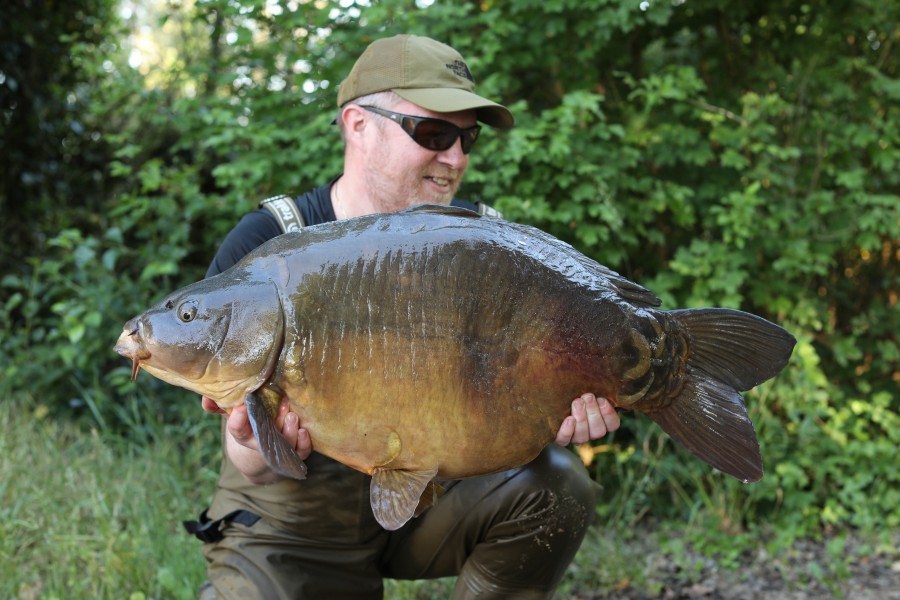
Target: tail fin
{"points": [[729, 351]]}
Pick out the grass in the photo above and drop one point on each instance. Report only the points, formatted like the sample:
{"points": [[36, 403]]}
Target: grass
{"points": [[88, 513]]}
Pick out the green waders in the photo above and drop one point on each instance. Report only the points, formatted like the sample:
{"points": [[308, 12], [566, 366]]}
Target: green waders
{"points": [[508, 535]]}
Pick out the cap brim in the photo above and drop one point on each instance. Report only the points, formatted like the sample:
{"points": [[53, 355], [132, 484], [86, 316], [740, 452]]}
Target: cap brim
{"points": [[454, 100]]}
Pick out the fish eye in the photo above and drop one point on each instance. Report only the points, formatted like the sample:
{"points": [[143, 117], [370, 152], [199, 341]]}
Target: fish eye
{"points": [[187, 311]]}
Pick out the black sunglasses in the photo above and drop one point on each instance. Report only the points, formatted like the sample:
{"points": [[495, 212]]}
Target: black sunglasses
{"points": [[434, 134]]}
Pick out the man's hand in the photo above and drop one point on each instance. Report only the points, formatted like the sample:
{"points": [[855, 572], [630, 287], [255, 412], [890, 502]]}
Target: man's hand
{"points": [[591, 419], [241, 445]]}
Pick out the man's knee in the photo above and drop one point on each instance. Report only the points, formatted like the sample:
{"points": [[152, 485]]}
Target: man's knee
{"points": [[541, 515], [551, 500], [560, 479]]}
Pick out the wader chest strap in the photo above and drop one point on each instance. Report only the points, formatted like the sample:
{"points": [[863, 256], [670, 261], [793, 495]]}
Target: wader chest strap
{"points": [[488, 210], [285, 211]]}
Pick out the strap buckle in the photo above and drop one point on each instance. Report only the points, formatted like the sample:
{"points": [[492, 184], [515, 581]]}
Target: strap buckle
{"points": [[209, 531]]}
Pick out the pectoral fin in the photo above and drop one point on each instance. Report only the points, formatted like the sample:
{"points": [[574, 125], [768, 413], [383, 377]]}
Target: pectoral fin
{"points": [[280, 457], [395, 494]]}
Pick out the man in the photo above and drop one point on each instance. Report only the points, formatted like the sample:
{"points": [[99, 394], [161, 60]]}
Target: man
{"points": [[407, 118]]}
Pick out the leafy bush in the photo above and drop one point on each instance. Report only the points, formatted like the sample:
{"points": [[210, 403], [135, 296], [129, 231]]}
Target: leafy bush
{"points": [[744, 157]]}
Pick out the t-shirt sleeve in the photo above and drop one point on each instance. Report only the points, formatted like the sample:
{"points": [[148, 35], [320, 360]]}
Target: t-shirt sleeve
{"points": [[253, 230]]}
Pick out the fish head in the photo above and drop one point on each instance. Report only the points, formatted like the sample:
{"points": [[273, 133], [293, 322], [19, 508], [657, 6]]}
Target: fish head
{"points": [[218, 337]]}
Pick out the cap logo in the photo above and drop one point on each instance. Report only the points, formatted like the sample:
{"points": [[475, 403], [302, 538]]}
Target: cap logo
{"points": [[461, 70]]}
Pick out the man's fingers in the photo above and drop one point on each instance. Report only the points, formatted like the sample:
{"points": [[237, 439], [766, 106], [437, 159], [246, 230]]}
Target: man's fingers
{"points": [[592, 418], [210, 406], [297, 437], [595, 423], [579, 411], [609, 415], [290, 425], [304, 444], [564, 437], [283, 410], [239, 427]]}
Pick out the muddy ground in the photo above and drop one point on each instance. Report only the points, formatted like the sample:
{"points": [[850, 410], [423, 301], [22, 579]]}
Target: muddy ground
{"points": [[809, 570]]}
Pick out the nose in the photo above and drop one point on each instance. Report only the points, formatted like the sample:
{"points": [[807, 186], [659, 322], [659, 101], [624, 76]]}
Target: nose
{"points": [[453, 156]]}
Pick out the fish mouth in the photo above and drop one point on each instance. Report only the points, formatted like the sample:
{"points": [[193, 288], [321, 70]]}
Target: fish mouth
{"points": [[132, 347]]}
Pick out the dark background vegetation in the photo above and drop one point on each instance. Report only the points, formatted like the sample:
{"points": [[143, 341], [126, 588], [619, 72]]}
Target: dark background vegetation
{"points": [[740, 154]]}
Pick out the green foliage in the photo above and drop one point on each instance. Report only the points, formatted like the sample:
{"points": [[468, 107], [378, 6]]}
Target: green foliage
{"points": [[50, 149], [742, 157]]}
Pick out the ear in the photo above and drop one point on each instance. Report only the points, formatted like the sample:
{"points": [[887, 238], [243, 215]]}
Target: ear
{"points": [[354, 119]]}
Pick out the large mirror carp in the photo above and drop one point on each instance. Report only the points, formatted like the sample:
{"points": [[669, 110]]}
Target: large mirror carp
{"points": [[436, 343]]}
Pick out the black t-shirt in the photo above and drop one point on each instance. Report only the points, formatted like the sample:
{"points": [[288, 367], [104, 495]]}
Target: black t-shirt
{"points": [[259, 226]]}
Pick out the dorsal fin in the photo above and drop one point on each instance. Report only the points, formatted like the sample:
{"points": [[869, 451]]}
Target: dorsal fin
{"points": [[444, 210]]}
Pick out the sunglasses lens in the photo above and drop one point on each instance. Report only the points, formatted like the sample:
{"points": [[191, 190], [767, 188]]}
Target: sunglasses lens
{"points": [[436, 135], [468, 138]]}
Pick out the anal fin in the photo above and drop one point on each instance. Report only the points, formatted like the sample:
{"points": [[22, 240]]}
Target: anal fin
{"points": [[280, 457], [395, 493]]}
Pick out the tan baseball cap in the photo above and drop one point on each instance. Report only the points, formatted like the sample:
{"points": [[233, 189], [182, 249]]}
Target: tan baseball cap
{"points": [[423, 71]]}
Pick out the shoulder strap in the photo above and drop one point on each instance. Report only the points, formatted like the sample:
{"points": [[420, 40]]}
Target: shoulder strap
{"points": [[487, 210], [285, 211]]}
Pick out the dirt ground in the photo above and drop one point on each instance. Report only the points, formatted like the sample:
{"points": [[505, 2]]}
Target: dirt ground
{"points": [[809, 570]]}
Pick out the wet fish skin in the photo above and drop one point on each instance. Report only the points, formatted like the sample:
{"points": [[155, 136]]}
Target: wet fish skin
{"points": [[436, 342]]}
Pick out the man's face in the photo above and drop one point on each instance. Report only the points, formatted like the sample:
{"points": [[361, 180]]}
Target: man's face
{"points": [[400, 173]]}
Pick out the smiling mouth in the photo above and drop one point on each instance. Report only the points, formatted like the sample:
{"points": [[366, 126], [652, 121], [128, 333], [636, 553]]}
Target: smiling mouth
{"points": [[441, 181]]}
